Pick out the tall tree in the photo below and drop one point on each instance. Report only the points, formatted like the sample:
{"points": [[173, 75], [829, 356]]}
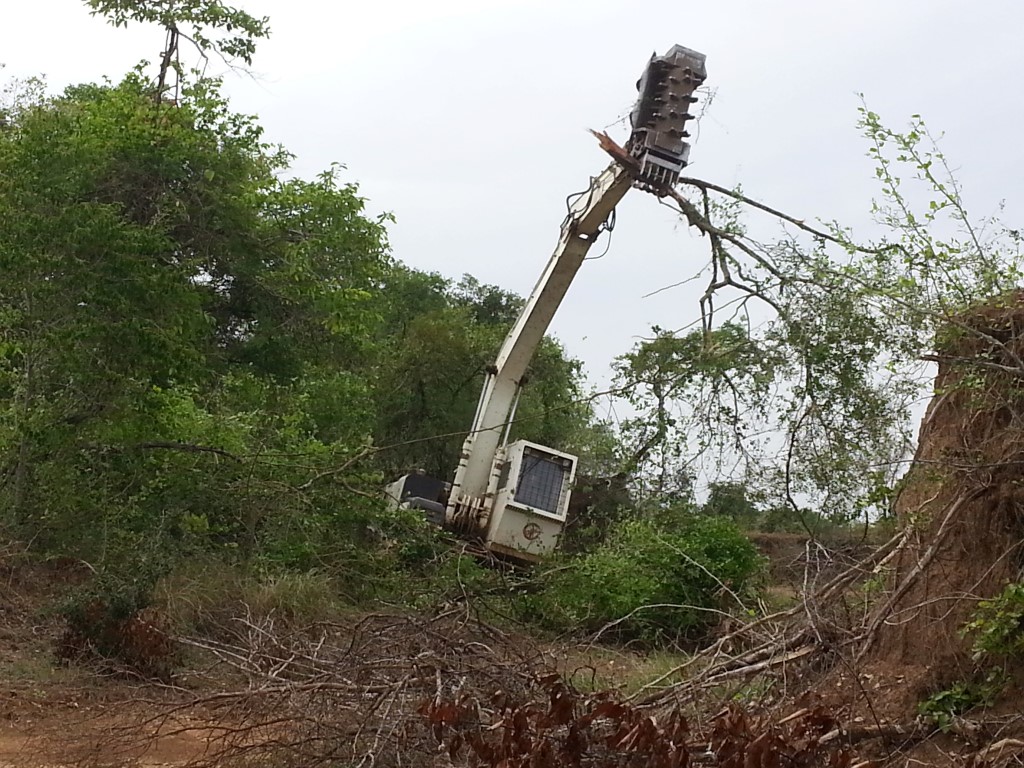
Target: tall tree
{"points": [[173, 312], [210, 26]]}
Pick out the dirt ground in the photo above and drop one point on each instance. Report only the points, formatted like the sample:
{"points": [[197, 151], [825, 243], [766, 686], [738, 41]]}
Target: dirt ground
{"points": [[52, 745]]}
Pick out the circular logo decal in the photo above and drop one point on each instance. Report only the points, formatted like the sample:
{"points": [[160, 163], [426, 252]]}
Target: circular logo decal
{"points": [[531, 531]]}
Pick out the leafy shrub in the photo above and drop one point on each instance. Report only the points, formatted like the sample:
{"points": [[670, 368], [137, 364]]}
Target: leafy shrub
{"points": [[942, 707], [298, 598], [112, 619], [998, 624], [394, 556], [455, 576], [653, 582]]}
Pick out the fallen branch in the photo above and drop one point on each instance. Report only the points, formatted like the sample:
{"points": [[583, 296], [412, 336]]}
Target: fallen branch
{"points": [[889, 731], [998, 750]]}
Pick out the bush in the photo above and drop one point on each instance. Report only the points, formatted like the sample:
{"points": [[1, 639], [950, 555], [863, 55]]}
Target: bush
{"points": [[998, 624], [388, 556], [111, 619], [943, 707], [654, 582]]}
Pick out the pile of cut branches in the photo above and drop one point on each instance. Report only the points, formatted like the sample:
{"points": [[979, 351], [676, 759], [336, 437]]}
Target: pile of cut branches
{"points": [[350, 694], [561, 727], [450, 690]]}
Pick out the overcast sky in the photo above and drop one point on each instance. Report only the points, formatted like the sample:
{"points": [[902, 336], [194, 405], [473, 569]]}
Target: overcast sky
{"points": [[467, 118]]}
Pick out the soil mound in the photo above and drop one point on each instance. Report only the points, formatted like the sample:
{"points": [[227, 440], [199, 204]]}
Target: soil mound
{"points": [[963, 500]]}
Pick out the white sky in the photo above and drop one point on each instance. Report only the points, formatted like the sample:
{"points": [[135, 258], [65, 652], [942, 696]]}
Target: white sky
{"points": [[467, 119]]}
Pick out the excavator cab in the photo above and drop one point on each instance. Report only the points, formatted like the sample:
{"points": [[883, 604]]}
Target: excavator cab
{"points": [[531, 501]]}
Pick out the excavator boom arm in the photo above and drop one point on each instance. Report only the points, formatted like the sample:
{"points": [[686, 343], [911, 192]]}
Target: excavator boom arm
{"points": [[580, 229]]}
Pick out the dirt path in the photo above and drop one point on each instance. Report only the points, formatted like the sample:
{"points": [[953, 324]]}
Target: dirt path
{"points": [[43, 750], [109, 735]]}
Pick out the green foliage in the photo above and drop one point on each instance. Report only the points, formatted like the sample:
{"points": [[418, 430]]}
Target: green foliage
{"points": [[781, 518], [198, 19], [943, 707], [732, 500], [453, 575], [998, 625], [205, 595], [940, 708], [752, 510], [663, 375], [123, 592], [803, 375], [597, 505], [654, 582], [185, 333], [197, 356], [108, 619]]}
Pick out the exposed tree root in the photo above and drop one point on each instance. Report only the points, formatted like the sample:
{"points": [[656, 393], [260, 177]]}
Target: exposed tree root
{"points": [[867, 638]]}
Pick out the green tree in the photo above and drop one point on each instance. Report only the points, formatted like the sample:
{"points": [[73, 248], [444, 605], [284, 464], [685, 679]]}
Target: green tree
{"points": [[209, 25], [177, 320], [813, 346], [732, 500], [692, 394]]}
